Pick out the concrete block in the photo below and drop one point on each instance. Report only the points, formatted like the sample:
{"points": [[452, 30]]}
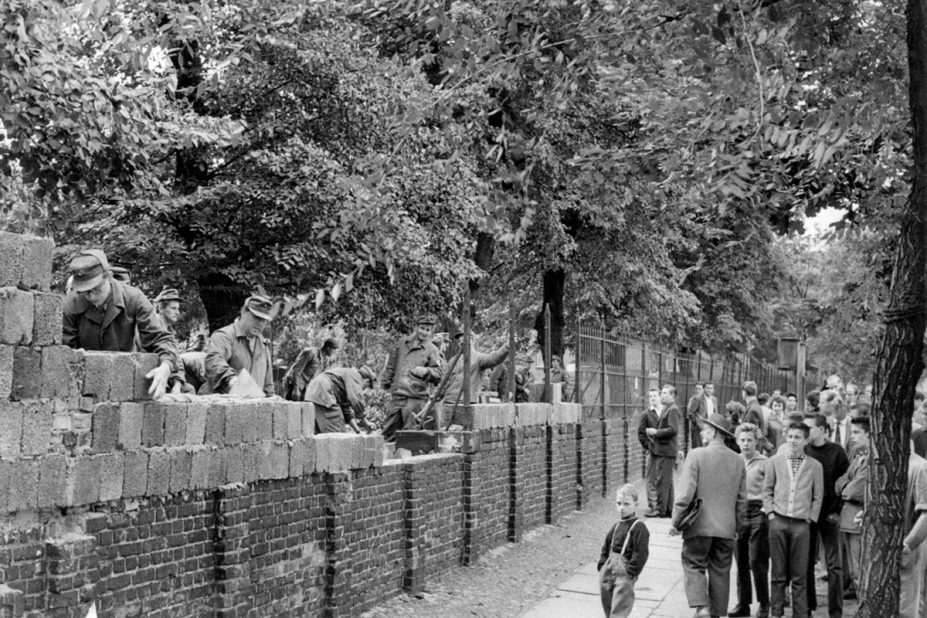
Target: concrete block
{"points": [[57, 379], [153, 419], [6, 371], [199, 470], [281, 421], [27, 373], [265, 467], [181, 469], [294, 421], [263, 413], [566, 413], [12, 254], [279, 460], [159, 472], [143, 363], [308, 417], [234, 425], [98, 375], [105, 427], [302, 457], [17, 316], [37, 263], [235, 464], [53, 481], [11, 429], [37, 427], [175, 424], [7, 475], [337, 452], [215, 424], [323, 453], [112, 476], [46, 322], [135, 474], [24, 487], [252, 457], [130, 426], [122, 385], [218, 471], [196, 423], [379, 455], [83, 483]]}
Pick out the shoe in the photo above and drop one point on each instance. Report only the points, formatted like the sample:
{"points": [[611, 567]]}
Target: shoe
{"points": [[702, 612], [849, 593], [654, 513], [763, 611], [740, 611]]}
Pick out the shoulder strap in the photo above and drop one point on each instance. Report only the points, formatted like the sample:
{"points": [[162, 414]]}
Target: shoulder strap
{"points": [[627, 537]]}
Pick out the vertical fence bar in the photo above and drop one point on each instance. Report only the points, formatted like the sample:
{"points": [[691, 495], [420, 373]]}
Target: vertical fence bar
{"points": [[547, 398], [603, 380], [577, 395], [466, 343], [511, 381]]}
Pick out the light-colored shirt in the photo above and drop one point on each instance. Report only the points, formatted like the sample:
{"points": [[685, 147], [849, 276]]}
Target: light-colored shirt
{"points": [[756, 472]]}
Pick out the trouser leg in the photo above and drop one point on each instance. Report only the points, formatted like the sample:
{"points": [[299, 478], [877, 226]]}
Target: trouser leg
{"points": [[799, 558], [779, 550], [652, 494], [912, 579], [394, 419], [664, 483], [830, 539], [694, 567], [742, 555], [811, 597], [759, 552], [720, 557]]}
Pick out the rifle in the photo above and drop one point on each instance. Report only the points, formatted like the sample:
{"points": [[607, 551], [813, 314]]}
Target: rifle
{"points": [[439, 392]]}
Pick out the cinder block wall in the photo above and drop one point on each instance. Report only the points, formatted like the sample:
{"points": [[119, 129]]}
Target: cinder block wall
{"points": [[233, 508]]}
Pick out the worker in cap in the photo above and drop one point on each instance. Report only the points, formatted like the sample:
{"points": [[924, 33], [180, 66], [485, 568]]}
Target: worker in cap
{"points": [[479, 362], [309, 363], [412, 368], [337, 395], [121, 274], [241, 345], [167, 306], [100, 313]]}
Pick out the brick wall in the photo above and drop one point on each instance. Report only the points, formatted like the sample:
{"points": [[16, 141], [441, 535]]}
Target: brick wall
{"points": [[529, 480], [561, 471], [591, 461]]}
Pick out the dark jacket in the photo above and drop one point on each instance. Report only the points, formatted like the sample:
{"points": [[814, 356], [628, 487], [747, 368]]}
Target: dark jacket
{"points": [[405, 357], [638, 549], [307, 366], [340, 387], [127, 310], [663, 443]]}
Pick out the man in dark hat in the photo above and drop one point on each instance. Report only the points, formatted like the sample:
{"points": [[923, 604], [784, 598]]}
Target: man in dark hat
{"points": [[167, 308], [101, 313], [413, 366], [309, 364], [337, 395], [479, 362], [241, 345], [717, 476]]}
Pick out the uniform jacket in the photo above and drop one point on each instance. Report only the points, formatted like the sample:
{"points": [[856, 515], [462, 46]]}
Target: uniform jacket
{"points": [[663, 443], [127, 310], [405, 357], [307, 366], [229, 351], [342, 387], [479, 362], [797, 495], [718, 476]]}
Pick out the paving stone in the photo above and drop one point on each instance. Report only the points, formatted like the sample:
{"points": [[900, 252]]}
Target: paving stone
{"points": [[47, 325], [105, 427], [17, 316], [27, 373], [6, 371], [11, 429], [135, 480], [37, 427], [130, 426]]}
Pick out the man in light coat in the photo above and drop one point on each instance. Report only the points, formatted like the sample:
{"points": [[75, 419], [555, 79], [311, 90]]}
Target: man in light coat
{"points": [[717, 476]]}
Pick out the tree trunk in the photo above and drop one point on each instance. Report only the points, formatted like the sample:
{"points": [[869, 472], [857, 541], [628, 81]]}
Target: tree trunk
{"points": [[554, 284], [899, 362], [222, 298]]}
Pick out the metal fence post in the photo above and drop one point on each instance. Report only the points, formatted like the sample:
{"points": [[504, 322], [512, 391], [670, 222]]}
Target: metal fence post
{"points": [[603, 384], [547, 398]]}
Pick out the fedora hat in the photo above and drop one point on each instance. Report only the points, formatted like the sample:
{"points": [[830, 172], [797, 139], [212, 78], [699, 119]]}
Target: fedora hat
{"points": [[719, 422]]}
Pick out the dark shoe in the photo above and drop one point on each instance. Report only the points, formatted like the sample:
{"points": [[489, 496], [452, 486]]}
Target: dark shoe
{"points": [[763, 611], [653, 513], [849, 594], [741, 611]]}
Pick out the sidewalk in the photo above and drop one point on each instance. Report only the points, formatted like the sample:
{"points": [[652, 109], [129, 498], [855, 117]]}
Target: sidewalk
{"points": [[659, 591]]}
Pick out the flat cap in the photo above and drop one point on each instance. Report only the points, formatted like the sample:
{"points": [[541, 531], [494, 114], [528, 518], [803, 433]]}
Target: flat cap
{"points": [[261, 306], [168, 294], [88, 269], [426, 318]]}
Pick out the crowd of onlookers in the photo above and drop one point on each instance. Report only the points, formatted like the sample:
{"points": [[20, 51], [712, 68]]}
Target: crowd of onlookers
{"points": [[795, 494]]}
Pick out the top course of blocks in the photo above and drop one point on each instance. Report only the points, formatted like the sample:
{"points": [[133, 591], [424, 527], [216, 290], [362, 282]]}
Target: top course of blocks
{"points": [[25, 261]]}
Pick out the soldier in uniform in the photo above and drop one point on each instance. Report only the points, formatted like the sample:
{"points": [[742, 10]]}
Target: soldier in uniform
{"points": [[412, 367], [167, 308], [241, 345], [101, 313]]}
